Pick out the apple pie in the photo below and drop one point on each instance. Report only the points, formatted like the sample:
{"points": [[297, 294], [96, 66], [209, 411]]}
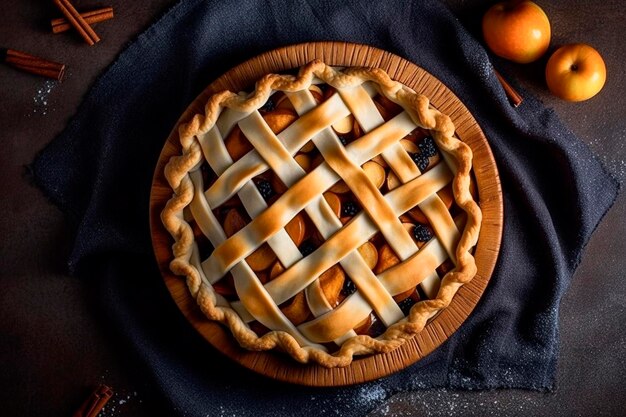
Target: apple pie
{"points": [[328, 213]]}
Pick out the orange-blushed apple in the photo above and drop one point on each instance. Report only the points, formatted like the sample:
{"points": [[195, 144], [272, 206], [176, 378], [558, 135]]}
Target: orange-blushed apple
{"points": [[575, 72], [517, 30]]}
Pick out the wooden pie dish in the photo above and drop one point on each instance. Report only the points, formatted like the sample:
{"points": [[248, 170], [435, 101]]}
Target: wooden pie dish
{"points": [[274, 364]]}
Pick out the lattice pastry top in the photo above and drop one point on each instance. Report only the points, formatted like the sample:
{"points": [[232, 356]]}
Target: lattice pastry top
{"points": [[328, 214]]}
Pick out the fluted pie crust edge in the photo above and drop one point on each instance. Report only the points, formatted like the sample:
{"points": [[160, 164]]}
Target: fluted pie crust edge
{"points": [[418, 107]]}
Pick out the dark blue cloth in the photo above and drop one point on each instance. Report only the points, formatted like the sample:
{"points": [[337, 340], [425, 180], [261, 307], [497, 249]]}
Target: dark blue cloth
{"points": [[99, 172]]}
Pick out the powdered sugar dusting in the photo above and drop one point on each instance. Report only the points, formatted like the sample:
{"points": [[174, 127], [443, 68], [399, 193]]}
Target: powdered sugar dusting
{"points": [[443, 402], [121, 404], [368, 396], [612, 159], [371, 395], [485, 70], [40, 100]]}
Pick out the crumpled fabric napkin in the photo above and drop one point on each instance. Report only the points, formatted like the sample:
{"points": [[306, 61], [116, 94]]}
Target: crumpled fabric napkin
{"points": [[99, 172]]}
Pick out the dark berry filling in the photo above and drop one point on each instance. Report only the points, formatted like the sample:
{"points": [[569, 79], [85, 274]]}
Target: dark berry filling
{"points": [[420, 160], [349, 209], [306, 248], [265, 188], [422, 233], [268, 106], [405, 305], [427, 147], [348, 288]]}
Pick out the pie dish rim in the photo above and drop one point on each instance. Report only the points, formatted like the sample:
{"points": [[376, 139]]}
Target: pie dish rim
{"points": [[341, 44]]}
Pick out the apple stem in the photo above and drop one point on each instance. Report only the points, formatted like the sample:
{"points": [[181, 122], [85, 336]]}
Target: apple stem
{"points": [[511, 4]]}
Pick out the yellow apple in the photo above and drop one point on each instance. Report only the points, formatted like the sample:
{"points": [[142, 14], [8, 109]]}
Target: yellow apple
{"points": [[517, 30], [575, 72]]}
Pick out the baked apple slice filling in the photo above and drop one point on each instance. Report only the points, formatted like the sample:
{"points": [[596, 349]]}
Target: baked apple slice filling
{"points": [[333, 286], [328, 212]]}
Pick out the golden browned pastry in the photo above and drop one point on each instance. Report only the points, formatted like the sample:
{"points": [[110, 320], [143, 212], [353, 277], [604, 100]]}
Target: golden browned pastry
{"points": [[328, 214]]}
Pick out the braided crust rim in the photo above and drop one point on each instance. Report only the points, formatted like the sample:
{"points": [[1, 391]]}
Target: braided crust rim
{"points": [[418, 107]]}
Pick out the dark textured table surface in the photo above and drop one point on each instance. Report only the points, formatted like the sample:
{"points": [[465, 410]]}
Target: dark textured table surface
{"points": [[55, 345]]}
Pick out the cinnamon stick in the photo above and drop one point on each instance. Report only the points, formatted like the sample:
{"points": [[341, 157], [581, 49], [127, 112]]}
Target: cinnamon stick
{"points": [[32, 64], [77, 21], [514, 97], [94, 16], [95, 402]]}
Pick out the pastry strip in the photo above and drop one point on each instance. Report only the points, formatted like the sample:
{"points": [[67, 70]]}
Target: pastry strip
{"points": [[245, 279], [355, 308], [289, 282], [366, 113], [299, 196], [219, 159], [292, 281], [266, 225], [353, 264], [278, 158], [400, 199], [294, 137]]}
